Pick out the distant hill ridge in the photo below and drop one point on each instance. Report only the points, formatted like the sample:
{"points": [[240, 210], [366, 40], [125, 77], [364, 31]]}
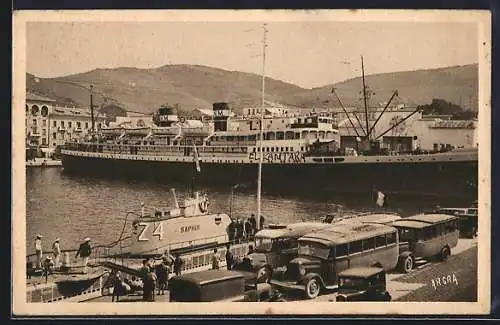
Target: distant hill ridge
{"points": [[196, 86]]}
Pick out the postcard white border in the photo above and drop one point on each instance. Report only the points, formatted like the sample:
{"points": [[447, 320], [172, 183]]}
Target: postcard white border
{"points": [[19, 306]]}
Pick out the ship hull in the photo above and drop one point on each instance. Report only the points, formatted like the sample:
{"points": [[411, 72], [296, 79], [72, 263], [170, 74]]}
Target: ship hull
{"points": [[441, 178]]}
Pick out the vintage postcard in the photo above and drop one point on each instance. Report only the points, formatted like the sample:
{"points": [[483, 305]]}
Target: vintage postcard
{"points": [[298, 162]]}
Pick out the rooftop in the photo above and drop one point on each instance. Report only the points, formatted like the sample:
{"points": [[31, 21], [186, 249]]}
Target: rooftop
{"points": [[292, 230], [345, 232], [73, 111], [207, 276], [431, 218], [420, 221], [374, 218], [453, 124]]}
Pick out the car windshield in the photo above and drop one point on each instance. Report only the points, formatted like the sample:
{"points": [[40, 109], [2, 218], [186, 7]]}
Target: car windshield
{"points": [[263, 244], [352, 283], [313, 249]]}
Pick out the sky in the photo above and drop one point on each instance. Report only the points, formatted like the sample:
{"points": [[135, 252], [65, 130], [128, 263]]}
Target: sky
{"points": [[308, 54]]}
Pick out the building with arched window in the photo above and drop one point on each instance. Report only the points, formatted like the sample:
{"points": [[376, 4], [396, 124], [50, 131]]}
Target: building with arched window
{"points": [[37, 123], [49, 125]]}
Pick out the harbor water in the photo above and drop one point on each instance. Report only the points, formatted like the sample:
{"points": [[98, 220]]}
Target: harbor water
{"points": [[75, 207]]}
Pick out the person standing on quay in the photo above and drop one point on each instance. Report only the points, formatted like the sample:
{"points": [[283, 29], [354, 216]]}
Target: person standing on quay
{"points": [[144, 277], [229, 258], [215, 260], [178, 264], [38, 251], [117, 287], [56, 250], [253, 221], [84, 251]]}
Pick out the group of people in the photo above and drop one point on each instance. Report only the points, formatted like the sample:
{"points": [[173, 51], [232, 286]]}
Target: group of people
{"points": [[52, 261], [240, 229], [153, 278], [230, 259]]}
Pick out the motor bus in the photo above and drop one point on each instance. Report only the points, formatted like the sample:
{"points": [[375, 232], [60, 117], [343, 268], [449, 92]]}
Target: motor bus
{"points": [[323, 254], [425, 236], [468, 219], [275, 247]]}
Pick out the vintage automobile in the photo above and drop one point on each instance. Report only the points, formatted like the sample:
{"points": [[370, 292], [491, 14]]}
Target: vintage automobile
{"points": [[362, 284], [322, 255], [221, 286], [426, 236], [275, 247]]}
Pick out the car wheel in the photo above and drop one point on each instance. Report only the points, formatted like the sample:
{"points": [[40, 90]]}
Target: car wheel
{"points": [[407, 265], [313, 287], [445, 253]]}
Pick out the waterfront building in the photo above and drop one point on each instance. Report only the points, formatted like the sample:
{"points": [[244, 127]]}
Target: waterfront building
{"points": [[37, 126], [50, 124], [424, 132]]}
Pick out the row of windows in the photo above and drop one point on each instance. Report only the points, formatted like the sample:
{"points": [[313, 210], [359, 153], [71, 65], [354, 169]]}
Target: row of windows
{"points": [[438, 230], [366, 244], [277, 149], [280, 135], [70, 124]]}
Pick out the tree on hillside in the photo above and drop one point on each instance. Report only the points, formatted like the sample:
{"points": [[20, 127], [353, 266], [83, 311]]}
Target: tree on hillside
{"points": [[442, 107]]}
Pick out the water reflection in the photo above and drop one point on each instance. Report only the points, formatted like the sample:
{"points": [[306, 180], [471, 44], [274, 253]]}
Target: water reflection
{"points": [[72, 207]]}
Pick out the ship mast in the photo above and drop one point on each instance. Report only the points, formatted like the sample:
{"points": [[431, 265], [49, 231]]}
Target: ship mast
{"points": [[364, 98], [261, 128], [92, 110]]}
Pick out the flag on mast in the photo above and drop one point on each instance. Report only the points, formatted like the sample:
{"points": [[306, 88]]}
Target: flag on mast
{"points": [[196, 158]]}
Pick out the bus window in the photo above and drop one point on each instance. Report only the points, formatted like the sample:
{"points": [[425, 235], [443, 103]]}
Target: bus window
{"points": [[368, 243], [380, 241], [391, 238], [356, 247], [431, 232], [341, 250], [439, 229], [450, 226]]}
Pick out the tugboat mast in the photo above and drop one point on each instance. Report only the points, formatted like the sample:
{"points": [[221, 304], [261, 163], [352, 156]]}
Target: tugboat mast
{"points": [[261, 127]]}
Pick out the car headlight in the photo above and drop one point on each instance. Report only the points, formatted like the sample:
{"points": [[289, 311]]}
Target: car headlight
{"points": [[302, 270]]}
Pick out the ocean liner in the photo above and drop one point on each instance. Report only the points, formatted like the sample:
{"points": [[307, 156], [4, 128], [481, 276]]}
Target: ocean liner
{"points": [[301, 154]]}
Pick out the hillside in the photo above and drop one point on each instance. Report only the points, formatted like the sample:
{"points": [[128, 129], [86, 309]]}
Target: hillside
{"points": [[458, 85], [144, 90], [193, 86]]}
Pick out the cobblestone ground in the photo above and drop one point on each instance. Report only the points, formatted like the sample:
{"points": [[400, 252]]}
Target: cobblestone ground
{"points": [[453, 280]]}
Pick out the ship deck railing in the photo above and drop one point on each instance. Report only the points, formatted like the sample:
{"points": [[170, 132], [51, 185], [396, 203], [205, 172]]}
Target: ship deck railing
{"points": [[148, 149]]}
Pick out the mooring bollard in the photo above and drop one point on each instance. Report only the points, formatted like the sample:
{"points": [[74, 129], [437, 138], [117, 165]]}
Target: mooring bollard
{"points": [[66, 262]]}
